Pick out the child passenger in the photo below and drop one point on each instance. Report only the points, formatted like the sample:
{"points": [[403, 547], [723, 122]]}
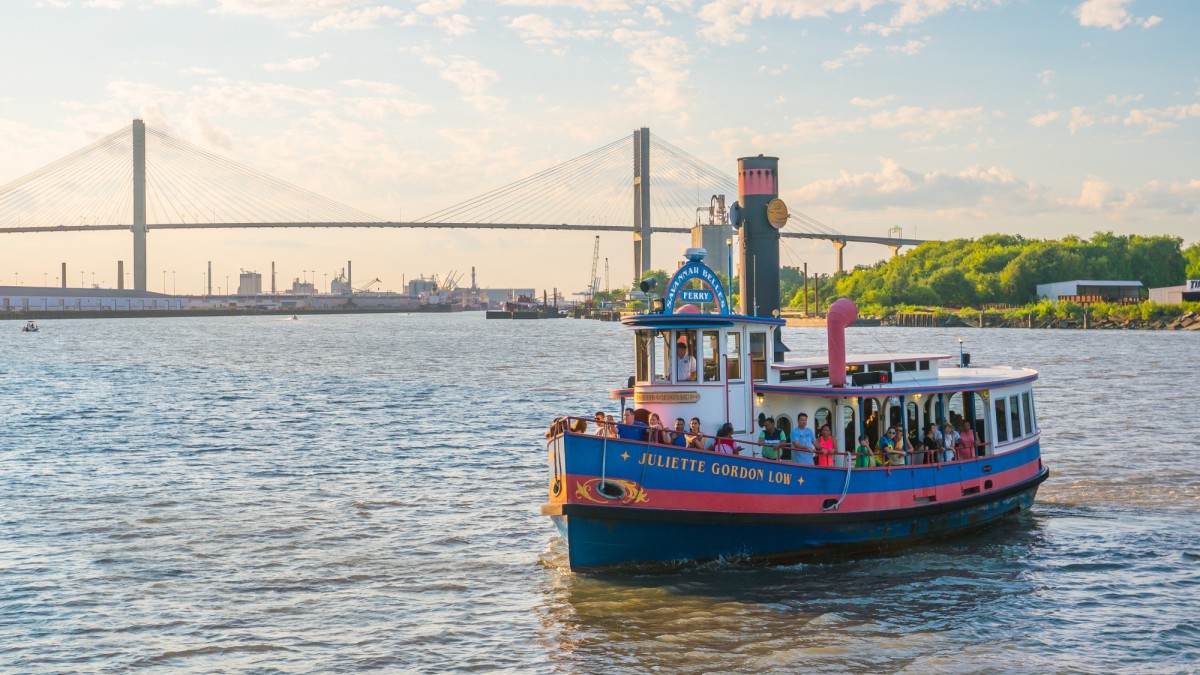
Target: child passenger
{"points": [[863, 457]]}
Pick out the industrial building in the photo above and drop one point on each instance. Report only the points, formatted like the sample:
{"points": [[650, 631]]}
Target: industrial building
{"points": [[1092, 291], [53, 299]]}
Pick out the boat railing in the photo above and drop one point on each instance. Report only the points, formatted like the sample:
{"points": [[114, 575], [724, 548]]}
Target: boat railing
{"points": [[585, 426]]}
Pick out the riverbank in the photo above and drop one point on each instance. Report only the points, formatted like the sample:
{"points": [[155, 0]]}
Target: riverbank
{"points": [[165, 313], [1085, 321]]}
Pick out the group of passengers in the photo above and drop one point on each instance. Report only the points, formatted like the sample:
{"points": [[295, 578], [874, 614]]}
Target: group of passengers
{"points": [[642, 425], [954, 441]]}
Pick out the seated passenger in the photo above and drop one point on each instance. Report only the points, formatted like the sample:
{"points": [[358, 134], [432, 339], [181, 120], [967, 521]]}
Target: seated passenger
{"points": [[771, 438], [558, 426], [601, 424], [694, 439], [630, 429], [804, 441], [724, 441], [678, 438], [825, 446], [863, 457], [658, 433]]}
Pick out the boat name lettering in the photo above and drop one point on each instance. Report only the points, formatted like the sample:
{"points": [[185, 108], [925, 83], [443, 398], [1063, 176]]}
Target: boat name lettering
{"points": [[666, 397], [695, 270], [677, 463], [1193, 285]]}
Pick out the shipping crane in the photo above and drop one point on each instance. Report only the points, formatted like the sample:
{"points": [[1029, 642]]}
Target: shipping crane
{"points": [[593, 280], [367, 286]]}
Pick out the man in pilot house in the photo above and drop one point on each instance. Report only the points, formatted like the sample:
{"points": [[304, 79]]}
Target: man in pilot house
{"points": [[685, 364]]}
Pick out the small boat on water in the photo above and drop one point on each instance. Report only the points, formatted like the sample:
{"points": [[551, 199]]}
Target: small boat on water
{"points": [[30, 327], [738, 485]]}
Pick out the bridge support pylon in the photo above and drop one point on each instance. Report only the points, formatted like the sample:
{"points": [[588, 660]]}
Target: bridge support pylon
{"points": [[895, 248], [641, 203], [139, 205], [838, 246]]}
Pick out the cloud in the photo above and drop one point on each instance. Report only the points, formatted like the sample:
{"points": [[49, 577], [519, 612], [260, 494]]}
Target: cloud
{"points": [[1111, 14], [871, 102], [853, 55], [354, 19], [297, 65], [976, 187], [912, 47], [1157, 121], [660, 64], [1042, 119], [1080, 119], [472, 79], [728, 20]]}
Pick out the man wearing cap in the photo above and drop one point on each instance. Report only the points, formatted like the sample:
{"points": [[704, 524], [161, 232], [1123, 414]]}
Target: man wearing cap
{"points": [[685, 364]]}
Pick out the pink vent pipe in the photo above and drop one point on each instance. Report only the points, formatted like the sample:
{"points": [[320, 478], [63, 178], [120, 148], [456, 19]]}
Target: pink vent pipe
{"points": [[841, 314]]}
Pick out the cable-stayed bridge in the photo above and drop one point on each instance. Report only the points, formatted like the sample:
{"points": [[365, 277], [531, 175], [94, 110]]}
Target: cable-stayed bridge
{"points": [[142, 179]]}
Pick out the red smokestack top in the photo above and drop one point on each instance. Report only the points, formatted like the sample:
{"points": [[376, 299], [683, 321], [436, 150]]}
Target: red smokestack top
{"points": [[840, 315]]}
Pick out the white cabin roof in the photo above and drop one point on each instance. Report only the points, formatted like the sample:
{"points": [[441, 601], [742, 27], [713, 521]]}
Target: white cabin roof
{"points": [[793, 363]]}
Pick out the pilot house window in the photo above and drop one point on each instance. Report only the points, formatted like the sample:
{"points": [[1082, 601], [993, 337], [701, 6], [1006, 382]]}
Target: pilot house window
{"points": [[710, 352], [758, 356], [733, 350]]}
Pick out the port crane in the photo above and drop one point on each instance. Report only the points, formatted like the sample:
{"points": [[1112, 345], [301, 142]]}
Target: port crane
{"points": [[593, 284], [365, 287]]}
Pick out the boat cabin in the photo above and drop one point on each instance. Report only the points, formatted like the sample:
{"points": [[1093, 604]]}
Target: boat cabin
{"points": [[718, 366]]}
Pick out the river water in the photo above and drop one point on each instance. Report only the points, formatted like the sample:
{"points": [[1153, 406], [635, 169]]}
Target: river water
{"points": [[349, 493]]}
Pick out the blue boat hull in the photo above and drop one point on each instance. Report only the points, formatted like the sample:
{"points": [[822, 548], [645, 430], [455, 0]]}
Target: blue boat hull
{"points": [[608, 536]]}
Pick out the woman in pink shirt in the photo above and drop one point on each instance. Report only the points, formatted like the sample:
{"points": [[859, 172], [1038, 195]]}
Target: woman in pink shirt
{"points": [[825, 447], [966, 442]]}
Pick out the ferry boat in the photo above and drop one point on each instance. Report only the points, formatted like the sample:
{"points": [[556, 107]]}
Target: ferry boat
{"points": [[637, 498]]}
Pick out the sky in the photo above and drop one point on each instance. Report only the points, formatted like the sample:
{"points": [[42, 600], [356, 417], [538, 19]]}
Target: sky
{"points": [[945, 118]]}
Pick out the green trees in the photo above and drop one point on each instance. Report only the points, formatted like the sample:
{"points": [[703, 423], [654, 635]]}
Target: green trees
{"points": [[1191, 255], [1000, 268]]}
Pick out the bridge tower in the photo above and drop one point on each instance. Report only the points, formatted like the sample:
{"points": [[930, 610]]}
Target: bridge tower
{"points": [[641, 203], [139, 205]]}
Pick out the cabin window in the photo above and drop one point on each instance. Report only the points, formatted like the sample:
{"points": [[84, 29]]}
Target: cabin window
{"points": [[982, 435], [793, 375], [1001, 421], [687, 364], [644, 346], [758, 356], [663, 356], [911, 420], [906, 366], [1028, 409], [820, 373], [922, 365], [879, 367], [1014, 416], [710, 349], [733, 352], [854, 368], [850, 430], [871, 420], [821, 418]]}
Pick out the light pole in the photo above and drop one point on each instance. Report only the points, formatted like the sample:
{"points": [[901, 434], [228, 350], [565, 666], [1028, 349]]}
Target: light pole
{"points": [[326, 282], [16, 278], [93, 279], [81, 281], [172, 282], [226, 284], [164, 281], [960, 352], [45, 276]]}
